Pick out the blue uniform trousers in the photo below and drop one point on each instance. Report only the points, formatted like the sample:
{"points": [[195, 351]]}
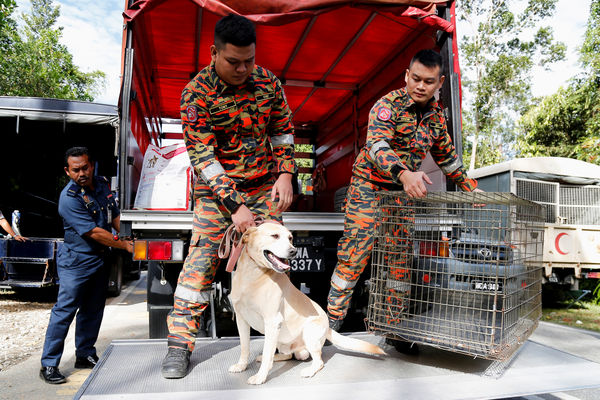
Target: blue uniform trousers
{"points": [[82, 290]]}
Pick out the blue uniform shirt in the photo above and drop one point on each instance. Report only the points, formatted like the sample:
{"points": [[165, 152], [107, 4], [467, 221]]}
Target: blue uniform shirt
{"points": [[82, 210]]}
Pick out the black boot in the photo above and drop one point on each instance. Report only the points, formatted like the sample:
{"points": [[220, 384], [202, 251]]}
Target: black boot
{"points": [[403, 347], [176, 363], [52, 375], [86, 362]]}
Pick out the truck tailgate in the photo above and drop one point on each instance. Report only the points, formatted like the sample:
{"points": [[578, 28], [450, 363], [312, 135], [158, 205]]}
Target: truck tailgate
{"points": [[130, 369]]}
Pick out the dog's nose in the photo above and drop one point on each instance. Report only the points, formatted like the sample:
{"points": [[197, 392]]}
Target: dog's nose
{"points": [[293, 252]]}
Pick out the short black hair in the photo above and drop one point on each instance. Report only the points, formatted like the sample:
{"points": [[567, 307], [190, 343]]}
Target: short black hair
{"points": [[429, 58], [236, 30], [76, 152]]}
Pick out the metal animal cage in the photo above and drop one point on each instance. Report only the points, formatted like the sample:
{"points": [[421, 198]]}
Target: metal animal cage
{"points": [[458, 271]]}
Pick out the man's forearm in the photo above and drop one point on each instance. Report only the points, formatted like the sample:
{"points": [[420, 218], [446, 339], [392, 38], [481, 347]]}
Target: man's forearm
{"points": [[106, 238]]}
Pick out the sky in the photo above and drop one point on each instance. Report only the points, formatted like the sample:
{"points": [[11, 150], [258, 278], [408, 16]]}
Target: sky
{"points": [[93, 34]]}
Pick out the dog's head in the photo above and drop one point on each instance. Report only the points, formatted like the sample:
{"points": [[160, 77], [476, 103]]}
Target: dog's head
{"points": [[270, 246]]}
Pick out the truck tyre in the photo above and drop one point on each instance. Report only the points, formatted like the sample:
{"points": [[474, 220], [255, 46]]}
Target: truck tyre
{"points": [[115, 277]]}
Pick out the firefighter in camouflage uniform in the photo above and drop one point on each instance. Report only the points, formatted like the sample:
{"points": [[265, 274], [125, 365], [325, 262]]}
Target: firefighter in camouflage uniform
{"points": [[237, 128], [403, 126]]}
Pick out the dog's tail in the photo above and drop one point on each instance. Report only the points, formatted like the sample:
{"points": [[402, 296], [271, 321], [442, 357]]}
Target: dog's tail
{"points": [[352, 344]]}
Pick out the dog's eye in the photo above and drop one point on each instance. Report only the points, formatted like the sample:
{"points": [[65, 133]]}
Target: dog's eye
{"points": [[275, 236]]}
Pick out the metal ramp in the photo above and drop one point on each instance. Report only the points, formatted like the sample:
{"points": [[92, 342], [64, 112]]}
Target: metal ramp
{"points": [[130, 369]]}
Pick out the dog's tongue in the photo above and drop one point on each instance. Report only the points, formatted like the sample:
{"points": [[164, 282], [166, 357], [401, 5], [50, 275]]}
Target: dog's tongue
{"points": [[277, 262]]}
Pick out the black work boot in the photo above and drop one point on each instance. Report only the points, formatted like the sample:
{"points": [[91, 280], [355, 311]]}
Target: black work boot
{"points": [[404, 347], [86, 362], [334, 324], [52, 375], [176, 362]]}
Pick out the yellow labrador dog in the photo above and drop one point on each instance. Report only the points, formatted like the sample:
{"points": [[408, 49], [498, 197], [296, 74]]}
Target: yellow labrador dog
{"points": [[264, 298]]}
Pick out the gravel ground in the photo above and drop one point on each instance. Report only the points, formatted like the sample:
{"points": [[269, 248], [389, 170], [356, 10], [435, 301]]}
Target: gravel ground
{"points": [[23, 320]]}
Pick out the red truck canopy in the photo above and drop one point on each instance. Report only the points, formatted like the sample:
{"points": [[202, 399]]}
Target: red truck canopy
{"points": [[334, 57]]}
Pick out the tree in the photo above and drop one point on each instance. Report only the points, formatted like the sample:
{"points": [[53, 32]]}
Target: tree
{"points": [[40, 66], [7, 36], [497, 62], [567, 123]]}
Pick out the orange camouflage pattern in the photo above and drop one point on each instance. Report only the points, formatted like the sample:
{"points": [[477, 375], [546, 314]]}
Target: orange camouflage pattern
{"points": [[211, 219], [355, 247], [397, 139], [235, 134]]}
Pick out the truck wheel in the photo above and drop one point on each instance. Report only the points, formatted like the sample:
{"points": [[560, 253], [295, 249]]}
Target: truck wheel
{"points": [[115, 278]]}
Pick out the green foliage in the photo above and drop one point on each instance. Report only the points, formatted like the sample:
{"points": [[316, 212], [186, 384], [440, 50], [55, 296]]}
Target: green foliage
{"points": [[39, 65], [567, 123], [497, 62], [596, 294], [590, 50]]}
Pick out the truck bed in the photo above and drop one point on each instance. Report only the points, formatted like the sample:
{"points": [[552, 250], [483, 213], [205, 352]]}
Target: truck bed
{"points": [[130, 369]]}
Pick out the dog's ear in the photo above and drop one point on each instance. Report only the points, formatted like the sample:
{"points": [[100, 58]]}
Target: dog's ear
{"points": [[246, 235]]}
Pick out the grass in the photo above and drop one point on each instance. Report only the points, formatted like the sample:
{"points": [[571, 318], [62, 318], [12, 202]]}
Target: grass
{"points": [[584, 317]]}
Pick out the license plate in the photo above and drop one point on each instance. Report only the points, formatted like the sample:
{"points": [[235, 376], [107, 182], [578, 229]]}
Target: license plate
{"points": [[487, 286], [308, 259]]}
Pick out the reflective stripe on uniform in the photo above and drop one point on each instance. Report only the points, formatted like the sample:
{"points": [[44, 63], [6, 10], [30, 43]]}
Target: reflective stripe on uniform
{"points": [[453, 166], [193, 296], [342, 283], [211, 171], [380, 145], [282, 139]]}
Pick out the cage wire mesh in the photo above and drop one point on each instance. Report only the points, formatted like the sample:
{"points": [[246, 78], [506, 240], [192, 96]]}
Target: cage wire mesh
{"points": [[458, 271]]}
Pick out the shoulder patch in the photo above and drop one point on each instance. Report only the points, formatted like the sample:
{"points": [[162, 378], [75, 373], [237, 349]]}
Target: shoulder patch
{"points": [[384, 114], [192, 113]]}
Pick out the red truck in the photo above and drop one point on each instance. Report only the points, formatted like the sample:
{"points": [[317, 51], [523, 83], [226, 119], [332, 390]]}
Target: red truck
{"points": [[335, 59]]}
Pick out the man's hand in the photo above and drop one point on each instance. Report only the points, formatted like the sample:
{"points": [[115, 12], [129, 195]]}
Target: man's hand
{"points": [[127, 245], [479, 204], [242, 218], [20, 238], [414, 183], [283, 188]]}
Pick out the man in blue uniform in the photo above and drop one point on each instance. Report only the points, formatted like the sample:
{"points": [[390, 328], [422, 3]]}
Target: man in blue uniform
{"points": [[89, 210]]}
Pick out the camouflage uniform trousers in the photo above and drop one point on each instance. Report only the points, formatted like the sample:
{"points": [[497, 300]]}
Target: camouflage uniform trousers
{"points": [[194, 286], [355, 249]]}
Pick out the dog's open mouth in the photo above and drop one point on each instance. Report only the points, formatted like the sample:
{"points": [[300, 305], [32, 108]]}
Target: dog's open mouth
{"points": [[279, 264]]}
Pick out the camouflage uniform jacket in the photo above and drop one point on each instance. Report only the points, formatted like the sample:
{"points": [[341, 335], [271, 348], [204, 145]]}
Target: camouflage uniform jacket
{"points": [[235, 135], [397, 140]]}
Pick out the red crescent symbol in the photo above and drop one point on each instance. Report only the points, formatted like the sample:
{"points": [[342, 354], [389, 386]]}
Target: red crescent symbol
{"points": [[556, 244]]}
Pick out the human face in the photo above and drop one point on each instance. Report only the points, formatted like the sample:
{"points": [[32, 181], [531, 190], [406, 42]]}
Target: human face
{"points": [[80, 170], [233, 64], [422, 82]]}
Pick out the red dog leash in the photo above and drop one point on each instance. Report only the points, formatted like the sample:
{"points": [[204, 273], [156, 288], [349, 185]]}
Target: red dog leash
{"points": [[231, 245]]}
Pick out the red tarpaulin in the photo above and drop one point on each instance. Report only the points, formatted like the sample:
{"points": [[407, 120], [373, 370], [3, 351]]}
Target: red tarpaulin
{"points": [[334, 57]]}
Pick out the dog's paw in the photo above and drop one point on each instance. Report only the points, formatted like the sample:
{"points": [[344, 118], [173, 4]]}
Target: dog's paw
{"points": [[238, 367], [257, 379], [310, 371]]}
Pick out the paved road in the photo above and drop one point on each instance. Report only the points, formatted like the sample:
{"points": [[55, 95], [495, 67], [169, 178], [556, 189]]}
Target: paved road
{"points": [[126, 317]]}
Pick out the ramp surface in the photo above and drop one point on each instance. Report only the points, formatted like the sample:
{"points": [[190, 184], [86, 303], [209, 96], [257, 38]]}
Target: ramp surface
{"points": [[130, 369]]}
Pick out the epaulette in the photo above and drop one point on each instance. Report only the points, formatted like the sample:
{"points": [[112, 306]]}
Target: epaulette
{"points": [[72, 189]]}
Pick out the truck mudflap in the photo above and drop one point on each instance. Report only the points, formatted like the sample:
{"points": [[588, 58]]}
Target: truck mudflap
{"points": [[130, 369]]}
